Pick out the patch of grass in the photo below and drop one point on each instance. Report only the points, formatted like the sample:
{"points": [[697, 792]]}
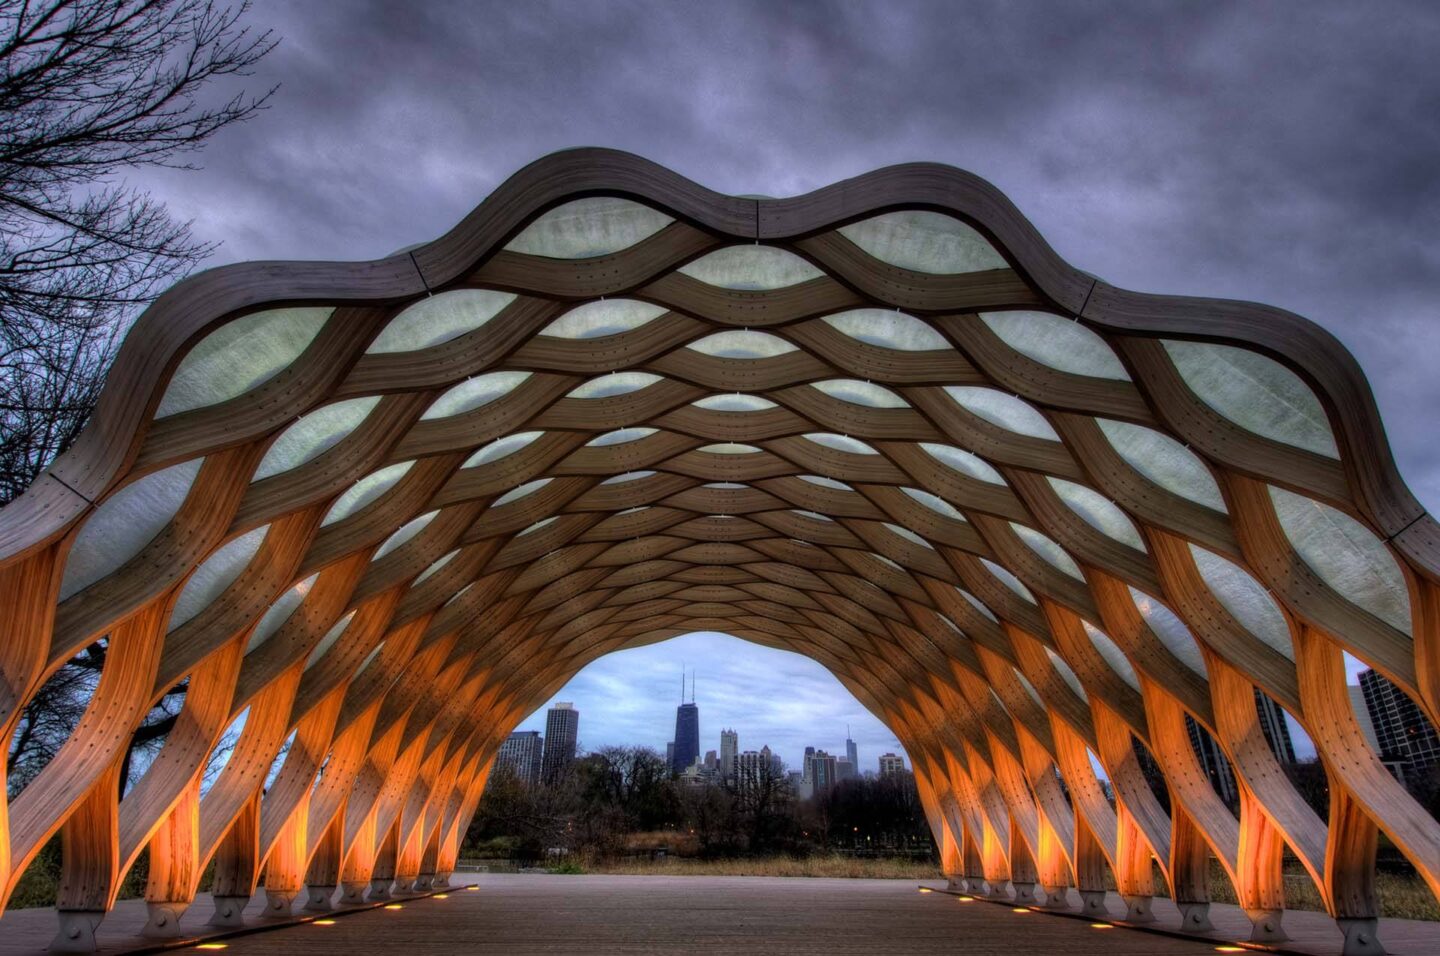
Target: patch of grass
{"points": [[568, 868], [831, 866]]}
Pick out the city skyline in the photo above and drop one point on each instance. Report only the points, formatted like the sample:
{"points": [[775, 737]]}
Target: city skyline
{"points": [[769, 697]]}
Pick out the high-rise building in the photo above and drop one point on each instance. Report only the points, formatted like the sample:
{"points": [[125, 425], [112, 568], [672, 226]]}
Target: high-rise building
{"points": [[844, 770], [520, 755], [670, 753], [805, 763], [852, 753], [752, 768], [1273, 723], [687, 731], [562, 731], [1213, 761], [822, 771], [1406, 737], [1362, 715], [729, 747], [892, 765]]}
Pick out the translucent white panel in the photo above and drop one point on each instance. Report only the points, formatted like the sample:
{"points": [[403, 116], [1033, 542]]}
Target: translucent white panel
{"points": [[823, 482], [861, 393], [1048, 549], [1164, 461], [1256, 393], [811, 514], [216, 574], [909, 535], [125, 523], [437, 565], [743, 344], [1111, 652], [366, 490], [1346, 556], [1245, 598], [978, 604], [616, 383], [628, 476], [630, 511], [456, 596], [313, 435], [583, 228], [841, 443], [515, 494], [725, 485], [1007, 411], [886, 561], [751, 267], [328, 641], [474, 392], [537, 526], [369, 658], [1057, 342], [734, 403], [279, 613], [924, 241], [1171, 631], [407, 531], [500, 448], [1008, 579], [440, 318], [935, 503], [1029, 687], [239, 356], [1068, 674], [729, 448], [621, 436], [963, 462], [888, 329], [602, 317], [1099, 512]]}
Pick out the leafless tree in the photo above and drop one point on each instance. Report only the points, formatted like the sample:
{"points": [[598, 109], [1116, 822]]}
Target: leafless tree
{"points": [[88, 90]]}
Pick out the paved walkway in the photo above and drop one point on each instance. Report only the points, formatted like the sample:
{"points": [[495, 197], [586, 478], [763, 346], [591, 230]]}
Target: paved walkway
{"points": [[527, 915]]}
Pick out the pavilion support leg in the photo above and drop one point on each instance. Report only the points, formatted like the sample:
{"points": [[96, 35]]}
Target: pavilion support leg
{"points": [[1133, 876], [1092, 904], [174, 865], [1260, 882], [90, 854], [1089, 871], [285, 867], [383, 873], [1023, 872], [1056, 897], [280, 902], [426, 879], [323, 874], [1350, 870], [237, 866], [1189, 871], [352, 894], [1053, 872], [975, 882]]}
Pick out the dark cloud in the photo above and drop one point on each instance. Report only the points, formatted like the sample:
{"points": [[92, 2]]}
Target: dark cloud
{"points": [[1287, 153]]}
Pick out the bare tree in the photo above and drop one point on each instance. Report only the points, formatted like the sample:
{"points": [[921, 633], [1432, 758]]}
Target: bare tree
{"points": [[88, 90]]}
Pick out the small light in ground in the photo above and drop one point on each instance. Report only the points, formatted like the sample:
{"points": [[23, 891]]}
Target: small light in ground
{"points": [[441, 896], [213, 946], [1102, 925], [1229, 949], [324, 922], [1019, 909], [926, 889], [393, 906]]}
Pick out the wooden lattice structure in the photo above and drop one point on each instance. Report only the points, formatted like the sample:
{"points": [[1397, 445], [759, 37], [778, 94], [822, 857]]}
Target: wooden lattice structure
{"points": [[383, 510]]}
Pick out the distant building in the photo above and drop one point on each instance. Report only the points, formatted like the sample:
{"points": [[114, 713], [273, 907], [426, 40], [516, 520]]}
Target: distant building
{"points": [[852, 753], [562, 732], [822, 771], [1362, 715], [670, 754], [805, 762], [1276, 728], [1406, 737], [520, 755], [844, 770], [687, 731], [729, 747], [753, 768], [1213, 762], [712, 762], [891, 765]]}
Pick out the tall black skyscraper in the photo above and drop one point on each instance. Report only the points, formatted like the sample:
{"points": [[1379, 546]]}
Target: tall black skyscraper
{"points": [[687, 731], [562, 730]]}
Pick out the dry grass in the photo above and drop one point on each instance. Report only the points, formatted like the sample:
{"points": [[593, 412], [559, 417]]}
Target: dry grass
{"points": [[1401, 896], [815, 866]]}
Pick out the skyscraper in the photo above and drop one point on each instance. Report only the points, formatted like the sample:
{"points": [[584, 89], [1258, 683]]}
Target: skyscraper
{"points": [[729, 747], [520, 754], [687, 732], [852, 753], [805, 764], [822, 771], [562, 730], [1406, 737], [1277, 730]]}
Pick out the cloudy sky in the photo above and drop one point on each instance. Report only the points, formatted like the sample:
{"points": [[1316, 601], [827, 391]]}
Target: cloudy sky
{"points": [[1287, 153]]}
